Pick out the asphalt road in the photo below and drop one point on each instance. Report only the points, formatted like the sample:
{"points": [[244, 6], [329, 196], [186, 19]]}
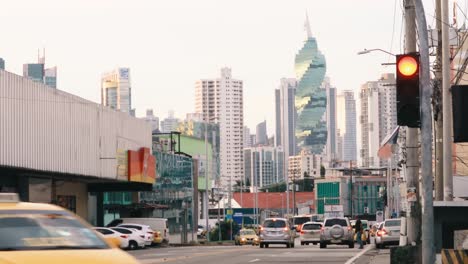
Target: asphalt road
{"points": [[245, 254]]}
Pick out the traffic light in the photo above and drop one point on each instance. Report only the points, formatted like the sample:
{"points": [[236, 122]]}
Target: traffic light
{"points": [[407, 84]]}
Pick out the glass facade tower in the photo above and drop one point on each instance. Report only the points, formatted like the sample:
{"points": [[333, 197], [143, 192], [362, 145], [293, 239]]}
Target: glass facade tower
{"points": [[311, 98]]}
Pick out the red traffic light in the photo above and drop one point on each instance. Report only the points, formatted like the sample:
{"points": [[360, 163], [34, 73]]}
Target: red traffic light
{"points": [[407, 65]]}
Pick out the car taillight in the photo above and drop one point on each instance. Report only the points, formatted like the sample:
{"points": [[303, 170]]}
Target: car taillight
{"points": [[261, 228], [285, 229], [350, 228], [302, 232], [382, 232], [123, 236]]}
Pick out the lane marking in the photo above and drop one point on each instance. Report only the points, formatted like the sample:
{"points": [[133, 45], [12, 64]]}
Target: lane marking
{"points": [[254, 260], [367, 248]]}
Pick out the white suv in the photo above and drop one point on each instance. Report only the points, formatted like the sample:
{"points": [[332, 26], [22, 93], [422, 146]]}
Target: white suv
{"points": [[276, 231], [337, 230]]}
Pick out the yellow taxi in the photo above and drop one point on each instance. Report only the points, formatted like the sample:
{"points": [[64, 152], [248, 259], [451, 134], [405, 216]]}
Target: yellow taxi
{"points": [[158, 239], [48, 234], [246, 236]]}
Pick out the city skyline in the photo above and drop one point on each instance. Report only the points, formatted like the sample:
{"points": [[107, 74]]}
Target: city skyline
{"points": [[153, 58]]}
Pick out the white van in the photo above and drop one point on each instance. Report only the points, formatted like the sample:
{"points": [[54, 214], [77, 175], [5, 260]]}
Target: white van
{"points": [[157, 224]]}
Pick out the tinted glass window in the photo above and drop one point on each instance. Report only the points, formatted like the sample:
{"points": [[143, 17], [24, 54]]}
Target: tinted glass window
{"points": [[132, 226], [301, 220], [336, 221], [274, 224], [311, 227], [36, 230], [123, 231], [104, 231], [393, 223]]}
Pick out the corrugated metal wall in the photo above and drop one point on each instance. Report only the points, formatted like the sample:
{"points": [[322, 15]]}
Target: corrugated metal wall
{"points": [[50, 130]]}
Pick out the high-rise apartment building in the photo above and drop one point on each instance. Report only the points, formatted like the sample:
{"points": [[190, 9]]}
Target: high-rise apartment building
{"points": [[247, 139], [346, 126], [331, 121], [303, 164], [116, 90], [169, 123], [263, 166], [311, 99], [221, 101], [378, 117], [152, 120], [2, 64], [261, 134]]}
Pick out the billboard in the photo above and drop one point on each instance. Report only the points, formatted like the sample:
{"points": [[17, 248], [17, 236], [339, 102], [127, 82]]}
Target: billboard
{"points": [[141, 166]]}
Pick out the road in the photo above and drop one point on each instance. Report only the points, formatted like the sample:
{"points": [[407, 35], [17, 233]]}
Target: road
{"points": [[245, 254]]}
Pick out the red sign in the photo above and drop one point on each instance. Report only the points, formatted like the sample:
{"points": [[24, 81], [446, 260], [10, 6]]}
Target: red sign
{"points": [[141, 166]]}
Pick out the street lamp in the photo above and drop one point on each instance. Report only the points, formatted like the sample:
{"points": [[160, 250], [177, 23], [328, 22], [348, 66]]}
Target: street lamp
{"points": [[365, 51], [192, 203]]}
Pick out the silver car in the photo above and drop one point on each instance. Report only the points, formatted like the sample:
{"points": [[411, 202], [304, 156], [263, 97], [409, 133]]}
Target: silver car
{"points": [[276, 231], [310, 233], [337, 230], [388, 233]]}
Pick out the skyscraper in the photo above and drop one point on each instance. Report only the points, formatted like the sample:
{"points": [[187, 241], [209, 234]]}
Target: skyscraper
{"points": [[221, 101], [378, 117], [38, 73], [261, 134], [331, 120], [2, 64], [285, 116], [346, 124], [152, 120], [116, 91], [169, 123], [311, 99], [263, 165]]}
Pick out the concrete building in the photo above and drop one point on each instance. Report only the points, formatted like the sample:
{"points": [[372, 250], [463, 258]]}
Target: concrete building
{"points": [[169, 123], [378, 117], [346, 127], [331, 149], [304, 163], [261, 134], [2, 64], [263, 166], [152, 120], [50, 77], [221, 101], [195, 117], [116, 90], [59, 148]]}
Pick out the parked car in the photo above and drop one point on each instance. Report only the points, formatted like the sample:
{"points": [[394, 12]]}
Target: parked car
{"points": [[246, 236], [156, 224], [310, 233], [276, 231], [107, 232], [135, 240], [389, 233], [337, 230], [145, 232], [373, 230]]}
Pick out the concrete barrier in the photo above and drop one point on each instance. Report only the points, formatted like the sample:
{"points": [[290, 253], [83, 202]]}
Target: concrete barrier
{"points": [[454, 256]]}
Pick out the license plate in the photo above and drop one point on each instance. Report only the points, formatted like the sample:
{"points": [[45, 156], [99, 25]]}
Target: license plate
{"points": [[336, 241]]}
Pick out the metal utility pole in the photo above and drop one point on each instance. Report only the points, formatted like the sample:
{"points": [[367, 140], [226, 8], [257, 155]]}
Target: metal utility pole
{"points": [[446, 104], [427, 234], [412, 138], [439, 154], [206, 201]]}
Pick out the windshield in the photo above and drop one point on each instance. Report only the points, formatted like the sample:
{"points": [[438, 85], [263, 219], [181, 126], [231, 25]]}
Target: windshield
{"points": [[247, 232], [38, 230], [274, 224], [301, 220], [132, 226]]}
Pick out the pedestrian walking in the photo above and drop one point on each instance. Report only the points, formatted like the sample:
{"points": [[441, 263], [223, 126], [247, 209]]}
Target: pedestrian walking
{"points": [[358, 228]]}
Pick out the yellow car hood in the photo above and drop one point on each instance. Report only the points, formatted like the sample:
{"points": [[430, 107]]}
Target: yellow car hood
{"points": [[79, 256]]}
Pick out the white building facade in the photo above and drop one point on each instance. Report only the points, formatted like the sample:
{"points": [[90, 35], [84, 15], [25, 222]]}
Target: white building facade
{"points": [[221, 101], [378, 117], [304, 163], [263, 166], [169, 123], [116, 90], [346, 127]]}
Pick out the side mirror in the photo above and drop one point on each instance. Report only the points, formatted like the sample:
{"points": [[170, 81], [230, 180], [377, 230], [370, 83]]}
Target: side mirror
{"points": [[113, 242]]}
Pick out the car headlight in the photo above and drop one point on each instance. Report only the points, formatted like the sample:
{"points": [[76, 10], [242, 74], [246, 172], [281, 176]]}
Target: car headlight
{"points": [[243, 239], [256, 239]]}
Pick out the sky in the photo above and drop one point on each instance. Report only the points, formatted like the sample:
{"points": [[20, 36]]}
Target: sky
{"points": [[168, 45]]}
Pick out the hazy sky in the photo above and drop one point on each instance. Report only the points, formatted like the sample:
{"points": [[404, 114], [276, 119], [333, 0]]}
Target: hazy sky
{"points": [[170, 44]]}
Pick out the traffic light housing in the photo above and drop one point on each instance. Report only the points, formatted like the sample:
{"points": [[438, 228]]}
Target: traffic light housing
{"points": [[407, 87]]}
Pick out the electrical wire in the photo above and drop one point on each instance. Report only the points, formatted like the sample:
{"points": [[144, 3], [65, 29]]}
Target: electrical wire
{"points": [[393, 28]]}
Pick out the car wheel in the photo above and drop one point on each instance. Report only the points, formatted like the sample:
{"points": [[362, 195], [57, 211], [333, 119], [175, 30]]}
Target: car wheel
{"points": [[288, 245], [323, 245], [132, 245], [302, 243], [351, 244], [261, 245], [266, 245]]}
